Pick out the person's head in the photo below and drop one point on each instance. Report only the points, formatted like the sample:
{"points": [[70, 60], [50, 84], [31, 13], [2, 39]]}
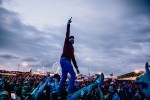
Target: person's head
{"points": [[57, 77], [71, 39], [4, 95]]}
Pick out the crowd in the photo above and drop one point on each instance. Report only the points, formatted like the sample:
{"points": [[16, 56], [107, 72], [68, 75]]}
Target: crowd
{"points": [[37, 87]]}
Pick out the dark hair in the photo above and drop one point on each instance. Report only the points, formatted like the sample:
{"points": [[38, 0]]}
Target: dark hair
{"points": [[57, 76], [71, 37]]}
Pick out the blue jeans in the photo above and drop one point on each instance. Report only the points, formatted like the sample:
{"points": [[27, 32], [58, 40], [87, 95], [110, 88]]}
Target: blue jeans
{"points": [[67, 68]]}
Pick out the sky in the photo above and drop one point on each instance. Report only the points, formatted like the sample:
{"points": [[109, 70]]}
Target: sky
{"points": [[111, 36]]}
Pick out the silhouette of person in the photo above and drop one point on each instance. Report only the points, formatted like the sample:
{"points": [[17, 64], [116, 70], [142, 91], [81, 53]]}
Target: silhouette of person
{"points": [[65, 62]]}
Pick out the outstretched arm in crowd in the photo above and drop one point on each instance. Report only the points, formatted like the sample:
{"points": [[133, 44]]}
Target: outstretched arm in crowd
{"points": [[101, 94], [33, 93], [42, 88], [77, 94], [37, 88], [144, 82]]}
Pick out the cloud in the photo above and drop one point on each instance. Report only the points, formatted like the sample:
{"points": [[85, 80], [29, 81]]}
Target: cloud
{"points": [[8, 56], [26, 41], [0, 2], [24, 37], [138, 7], [30, 59], [109, 36]]}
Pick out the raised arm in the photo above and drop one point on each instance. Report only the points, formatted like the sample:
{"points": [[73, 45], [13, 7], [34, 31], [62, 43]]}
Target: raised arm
{"points": [[77, 94], [68, 28], [147, 69], [41, 88]]}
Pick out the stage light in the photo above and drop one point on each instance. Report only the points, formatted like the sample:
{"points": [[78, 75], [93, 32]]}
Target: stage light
{"points": [[136, 71], [24, 64]]}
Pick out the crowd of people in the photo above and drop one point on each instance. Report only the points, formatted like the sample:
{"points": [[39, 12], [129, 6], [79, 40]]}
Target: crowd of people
{"points": [[37, 87]]}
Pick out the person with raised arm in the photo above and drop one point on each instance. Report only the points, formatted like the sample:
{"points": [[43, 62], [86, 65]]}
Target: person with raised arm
{"points": [[144, 82], [65, 61], [87, 89]]}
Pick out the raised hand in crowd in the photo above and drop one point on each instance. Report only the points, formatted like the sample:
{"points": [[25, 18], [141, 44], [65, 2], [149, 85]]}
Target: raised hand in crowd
{"points": [[144, 82]]}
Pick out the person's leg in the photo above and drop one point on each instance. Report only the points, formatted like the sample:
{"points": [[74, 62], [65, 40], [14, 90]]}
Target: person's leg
{"points": [[72, 77], [64, 76]]}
